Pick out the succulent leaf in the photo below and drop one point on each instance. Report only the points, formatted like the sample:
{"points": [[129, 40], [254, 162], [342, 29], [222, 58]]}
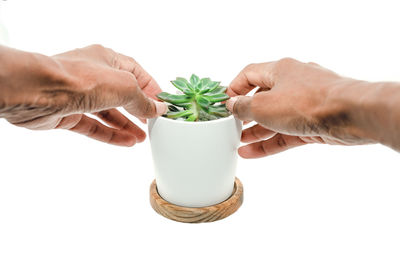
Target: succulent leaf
{"points": [[203, 102], [194, 80], [172, 108], [211, 85], [219, 110], [192, 118], [204, 83], [220, 107], [174, 99], [178, 114], [199, 101], [183, 85], [205, 116], [187, 83], [216, 90], [217, 97]]}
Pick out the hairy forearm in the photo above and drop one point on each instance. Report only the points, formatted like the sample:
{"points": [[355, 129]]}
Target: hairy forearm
{"points": [[382, 110], [373, 108], [26, 80]]}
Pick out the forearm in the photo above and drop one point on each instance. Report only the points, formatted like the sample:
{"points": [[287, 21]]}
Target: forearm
{"points": [[25, 81], [382, 110], [374, 110]]}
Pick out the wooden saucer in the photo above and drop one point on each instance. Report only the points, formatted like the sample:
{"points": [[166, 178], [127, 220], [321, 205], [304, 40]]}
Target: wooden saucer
{"points": [[197, 215]]}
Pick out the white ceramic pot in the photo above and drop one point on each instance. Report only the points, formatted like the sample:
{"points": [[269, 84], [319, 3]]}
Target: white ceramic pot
{"points": [[195, 162]]}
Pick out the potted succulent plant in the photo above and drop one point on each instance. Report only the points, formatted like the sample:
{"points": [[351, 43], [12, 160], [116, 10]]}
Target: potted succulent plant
{"points": [[194, 144]]}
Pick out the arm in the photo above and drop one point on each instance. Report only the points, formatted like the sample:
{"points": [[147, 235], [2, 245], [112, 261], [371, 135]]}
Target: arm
{"points": [[374, 108], [299, 103], [41, 92]]}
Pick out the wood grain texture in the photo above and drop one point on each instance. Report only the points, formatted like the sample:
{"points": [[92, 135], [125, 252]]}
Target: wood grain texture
{"points": [[200, 214]]}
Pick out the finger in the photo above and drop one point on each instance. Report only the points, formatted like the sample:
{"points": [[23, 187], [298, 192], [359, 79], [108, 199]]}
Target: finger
{"points": [[240, 106], [122, 89], [258, 91], [109, 57], [94, 129], [148, 85], [256, 133], [102, 55], [313, 139], [314, 64], [253, 75], [276, 144], [143, 107], [124, 84], [117, 120]]}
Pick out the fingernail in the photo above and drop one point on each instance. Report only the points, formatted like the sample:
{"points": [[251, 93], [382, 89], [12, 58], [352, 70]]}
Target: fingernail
{"points": [[161, 107], [230, 103]]}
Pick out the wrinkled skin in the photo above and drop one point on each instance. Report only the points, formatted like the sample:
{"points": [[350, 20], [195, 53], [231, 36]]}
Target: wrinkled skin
{"points": [[298, 103], [41, 92]]}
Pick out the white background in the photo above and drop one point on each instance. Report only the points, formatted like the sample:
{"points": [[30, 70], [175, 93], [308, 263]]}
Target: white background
{"points": [[66, 199]]}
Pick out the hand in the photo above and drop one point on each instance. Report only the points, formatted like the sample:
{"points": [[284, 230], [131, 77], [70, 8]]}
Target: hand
{"points": [[54, 92], [295, 104]]}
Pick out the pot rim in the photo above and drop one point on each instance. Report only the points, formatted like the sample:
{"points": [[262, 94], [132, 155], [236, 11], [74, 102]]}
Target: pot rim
{"points": [[197, 123]]}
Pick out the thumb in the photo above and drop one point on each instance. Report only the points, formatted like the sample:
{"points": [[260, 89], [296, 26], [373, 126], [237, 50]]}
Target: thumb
{"points": [[240, 106], [143, 107]]}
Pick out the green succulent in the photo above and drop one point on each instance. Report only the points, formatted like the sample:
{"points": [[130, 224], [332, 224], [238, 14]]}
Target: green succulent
{"points": [[200, 100]]}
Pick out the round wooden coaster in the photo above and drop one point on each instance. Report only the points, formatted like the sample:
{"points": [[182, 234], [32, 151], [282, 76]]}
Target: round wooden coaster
{"points": [[200, 214]]}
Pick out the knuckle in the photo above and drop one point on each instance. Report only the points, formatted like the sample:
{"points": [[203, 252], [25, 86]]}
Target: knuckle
{"points": [[255, 132], [148, 109], [126, 125], [249, 68], [283, 65], [281, 141], [133, 65], [92, 130], [131, 142], [130, 59], [263, 147], [115, 61], [131, 79], [286, 61], [109, 55], [96, 47], [112, 137], [313, 63], [128, 63]]}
